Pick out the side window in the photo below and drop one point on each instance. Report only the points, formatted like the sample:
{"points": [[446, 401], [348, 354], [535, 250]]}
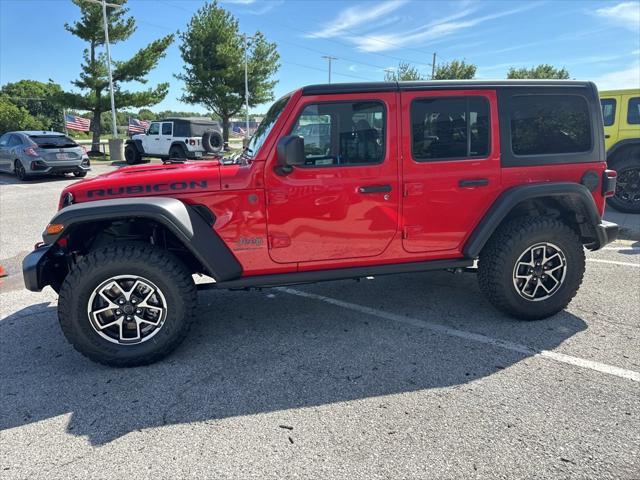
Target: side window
{"points": [[549, 124], [608, 111], [167, 128], [154, 129], [14, 140], [4, 139], [342, 133], [633, 115], [449, 128]]}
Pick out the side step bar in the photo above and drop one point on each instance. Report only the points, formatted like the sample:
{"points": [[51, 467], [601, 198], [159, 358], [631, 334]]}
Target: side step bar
{"points": [[297, 278]]}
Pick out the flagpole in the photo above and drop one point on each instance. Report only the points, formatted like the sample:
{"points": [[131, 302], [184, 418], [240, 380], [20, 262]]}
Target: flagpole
{"points": [[64, 121]]}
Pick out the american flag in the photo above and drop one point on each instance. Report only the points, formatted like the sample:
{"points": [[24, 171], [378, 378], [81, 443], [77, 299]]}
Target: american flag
{"points": [[73, 122], [137, 126]]}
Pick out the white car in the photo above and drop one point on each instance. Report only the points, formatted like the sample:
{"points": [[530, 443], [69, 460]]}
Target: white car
{"points": [[178, 138]]}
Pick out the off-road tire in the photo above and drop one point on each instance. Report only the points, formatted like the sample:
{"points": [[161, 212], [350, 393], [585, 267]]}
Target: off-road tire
{"points": [[150, 262], [212, 141], [629, 165], [132, 155], [498, 259], [177, 151]]}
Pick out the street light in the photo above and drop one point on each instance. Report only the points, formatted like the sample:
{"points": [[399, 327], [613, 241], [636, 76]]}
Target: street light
{"points": [[106, 42]]}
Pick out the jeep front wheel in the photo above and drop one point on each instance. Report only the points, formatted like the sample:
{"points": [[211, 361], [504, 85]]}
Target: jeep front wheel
{"points": [[131, 154], [532, 267], [127, 304]]}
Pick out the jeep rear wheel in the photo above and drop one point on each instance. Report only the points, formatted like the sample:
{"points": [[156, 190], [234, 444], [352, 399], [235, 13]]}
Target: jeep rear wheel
{"points": [[127, 304], [531, 268], [131, 154], [177, 151]]}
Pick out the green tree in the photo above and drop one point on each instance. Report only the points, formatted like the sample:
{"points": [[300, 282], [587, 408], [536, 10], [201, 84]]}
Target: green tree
{"points": [[14, 117], [94, 76], [213, 53], [455, 70], [541, 71], [405, 71], [38, 99]]}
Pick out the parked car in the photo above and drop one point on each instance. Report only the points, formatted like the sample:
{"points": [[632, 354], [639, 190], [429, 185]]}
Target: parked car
{"points": [[30, 153], [175, 138], [418, 176], [621, 112]]}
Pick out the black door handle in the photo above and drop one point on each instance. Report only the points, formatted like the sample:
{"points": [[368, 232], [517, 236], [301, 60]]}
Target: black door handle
{"points": [[375, 189], [476, 182]]}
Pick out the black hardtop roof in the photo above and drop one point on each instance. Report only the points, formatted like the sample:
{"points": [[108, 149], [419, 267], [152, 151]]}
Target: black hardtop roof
{"points": [[366, 87], [202, 120]]}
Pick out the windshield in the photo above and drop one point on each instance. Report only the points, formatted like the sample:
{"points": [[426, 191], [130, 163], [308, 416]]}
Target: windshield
{"points": [[263, 130], [54, 141]]}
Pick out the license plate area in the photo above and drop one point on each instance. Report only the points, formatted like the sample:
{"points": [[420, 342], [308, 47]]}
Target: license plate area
{"points": [[62, 156]]}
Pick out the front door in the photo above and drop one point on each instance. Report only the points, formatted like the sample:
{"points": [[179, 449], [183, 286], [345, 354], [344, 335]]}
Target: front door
{"points": [[451, 166], [611, 116], [5, 163], [152, 139], [343, 203], [166, 137]]}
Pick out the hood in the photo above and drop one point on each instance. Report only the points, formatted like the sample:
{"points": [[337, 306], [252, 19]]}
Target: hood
{"points": [[147, 180]]}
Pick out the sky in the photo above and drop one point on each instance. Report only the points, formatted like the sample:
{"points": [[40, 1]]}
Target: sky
{"points": [[594, 40]]}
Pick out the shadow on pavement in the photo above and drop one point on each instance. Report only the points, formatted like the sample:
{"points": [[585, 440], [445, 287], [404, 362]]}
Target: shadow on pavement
{"points": [[255, 352]]}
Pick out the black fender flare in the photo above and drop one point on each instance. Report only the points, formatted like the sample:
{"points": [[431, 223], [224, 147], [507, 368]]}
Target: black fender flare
{"points": [[503, 205], [189, 226], [137, 144], [180, 144], [629, 142]]}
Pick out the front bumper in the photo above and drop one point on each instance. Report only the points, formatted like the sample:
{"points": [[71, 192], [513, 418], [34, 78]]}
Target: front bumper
{"points": [[606, 232], [34, 268]]}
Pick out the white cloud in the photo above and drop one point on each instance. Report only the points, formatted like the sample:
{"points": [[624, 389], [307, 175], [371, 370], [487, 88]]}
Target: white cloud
{"points": [[626, 78], [435, 30], [356, 16], [626, 14]]}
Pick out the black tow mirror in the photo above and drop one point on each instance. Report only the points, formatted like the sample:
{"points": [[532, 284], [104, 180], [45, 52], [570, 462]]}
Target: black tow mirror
{"points": [[290, 152]]}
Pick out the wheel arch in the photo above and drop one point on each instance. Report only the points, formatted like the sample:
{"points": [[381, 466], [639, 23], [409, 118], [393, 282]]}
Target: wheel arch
{"points": [[571, 202], [186, 230], [137, 143], [616, 152]]}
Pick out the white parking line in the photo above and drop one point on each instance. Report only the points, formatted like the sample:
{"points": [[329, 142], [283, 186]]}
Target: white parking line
{"points": [[612, 262], [476, 337]]}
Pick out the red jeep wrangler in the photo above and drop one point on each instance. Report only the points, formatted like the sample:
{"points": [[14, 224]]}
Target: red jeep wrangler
{"points": [[340, 181]]}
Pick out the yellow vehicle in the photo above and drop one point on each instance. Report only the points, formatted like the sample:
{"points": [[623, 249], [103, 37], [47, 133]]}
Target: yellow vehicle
{"points": [[621, 114]]}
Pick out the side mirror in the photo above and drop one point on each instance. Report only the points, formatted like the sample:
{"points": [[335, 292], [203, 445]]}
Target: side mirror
{"points": [[290, 152]]}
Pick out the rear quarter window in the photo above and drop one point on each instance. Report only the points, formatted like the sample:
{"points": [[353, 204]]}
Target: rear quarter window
{"points": [[549, 124]]}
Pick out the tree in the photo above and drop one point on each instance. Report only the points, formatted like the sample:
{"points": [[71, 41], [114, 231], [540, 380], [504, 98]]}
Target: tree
{"points": [[37, 98], [13, 117], [213, 53], [94, 76], [541, 71], [455, 70], [405, 71]]}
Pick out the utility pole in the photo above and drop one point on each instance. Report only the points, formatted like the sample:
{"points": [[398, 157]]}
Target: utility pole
{"points": [[106, 42], [329, 58], [433, 66], [246, 82]]}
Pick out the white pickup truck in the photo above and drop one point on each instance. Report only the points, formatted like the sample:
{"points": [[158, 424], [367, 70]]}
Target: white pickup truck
{"points": [[175, 138]]}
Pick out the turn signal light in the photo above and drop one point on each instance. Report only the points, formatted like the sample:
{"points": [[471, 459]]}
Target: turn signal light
{"points": [[54, 228]]}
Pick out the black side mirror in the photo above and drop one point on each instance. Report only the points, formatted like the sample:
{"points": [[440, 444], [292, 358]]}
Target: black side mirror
{"points": [[290, 152]]}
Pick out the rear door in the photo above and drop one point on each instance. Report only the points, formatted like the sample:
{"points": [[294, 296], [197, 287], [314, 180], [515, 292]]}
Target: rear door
{"points": [[611, 117], [451, 166]]}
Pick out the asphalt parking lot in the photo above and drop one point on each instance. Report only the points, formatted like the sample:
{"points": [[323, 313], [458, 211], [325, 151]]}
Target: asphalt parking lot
{"points": [[410, 376]]}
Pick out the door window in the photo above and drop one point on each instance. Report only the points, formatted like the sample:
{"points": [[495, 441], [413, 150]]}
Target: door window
{"points": [[342, 133], [608, 111], [15, 140], [447, 128], [154, 129], [167, 128], [4, 139], [633, 115]]}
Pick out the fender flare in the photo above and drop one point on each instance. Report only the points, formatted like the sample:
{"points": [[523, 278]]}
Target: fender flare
{"points": [[181, 144], [512, 197], [189, 226], [136, 143], [622, 144]]}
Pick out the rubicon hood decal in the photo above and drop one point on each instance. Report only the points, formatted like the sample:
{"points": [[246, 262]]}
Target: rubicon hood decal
{"points": [[146, 188]]}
